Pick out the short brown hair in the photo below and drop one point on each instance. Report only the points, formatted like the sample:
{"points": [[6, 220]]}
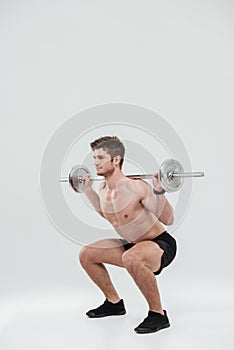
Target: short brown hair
{"points": [[112, 145]]}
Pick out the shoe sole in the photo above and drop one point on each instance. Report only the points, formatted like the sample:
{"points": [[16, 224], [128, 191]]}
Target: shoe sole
{"points": [[144, 331], [105, 315]]}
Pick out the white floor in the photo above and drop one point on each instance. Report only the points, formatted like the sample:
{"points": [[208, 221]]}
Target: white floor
{"points": [[46, 322]]}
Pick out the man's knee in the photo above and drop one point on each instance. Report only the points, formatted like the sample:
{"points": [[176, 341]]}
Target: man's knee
{"points": [[131, 260], [86, 255]]}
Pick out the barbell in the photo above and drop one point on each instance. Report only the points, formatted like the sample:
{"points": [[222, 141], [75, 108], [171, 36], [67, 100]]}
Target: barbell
{"points": [[171, 175]]}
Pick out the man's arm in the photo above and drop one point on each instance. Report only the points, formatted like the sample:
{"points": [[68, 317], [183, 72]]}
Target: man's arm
{"points": [[157, 204], [165, 211], [92, 195]]}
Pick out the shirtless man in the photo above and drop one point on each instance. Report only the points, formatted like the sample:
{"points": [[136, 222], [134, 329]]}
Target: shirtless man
{"points": [[137, 213]]}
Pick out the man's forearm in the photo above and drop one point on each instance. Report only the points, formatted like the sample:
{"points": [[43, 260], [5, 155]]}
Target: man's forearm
{"points": [[165, 212], [94, 200]]}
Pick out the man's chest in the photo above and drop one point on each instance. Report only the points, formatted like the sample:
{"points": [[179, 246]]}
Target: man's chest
{"points": [[116, 201]]}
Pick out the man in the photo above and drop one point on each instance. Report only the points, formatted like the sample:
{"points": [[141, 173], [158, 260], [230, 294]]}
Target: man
{"points": [[137, 214]]}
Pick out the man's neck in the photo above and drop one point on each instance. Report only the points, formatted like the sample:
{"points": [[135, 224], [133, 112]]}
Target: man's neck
{"points": [[113, 179]]}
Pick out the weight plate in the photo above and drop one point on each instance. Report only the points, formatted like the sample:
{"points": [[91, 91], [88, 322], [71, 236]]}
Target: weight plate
{"points": [[75, 177], [167, 180]]}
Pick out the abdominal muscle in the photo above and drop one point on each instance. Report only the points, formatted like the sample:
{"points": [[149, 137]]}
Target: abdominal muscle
{"points": [[145, 226]]}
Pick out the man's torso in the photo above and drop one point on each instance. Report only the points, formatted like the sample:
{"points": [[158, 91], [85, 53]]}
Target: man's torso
{"points": [[123, 209]]}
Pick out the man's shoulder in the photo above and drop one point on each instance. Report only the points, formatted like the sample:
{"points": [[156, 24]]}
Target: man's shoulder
{"points": [[139, 181], [140, 185]]}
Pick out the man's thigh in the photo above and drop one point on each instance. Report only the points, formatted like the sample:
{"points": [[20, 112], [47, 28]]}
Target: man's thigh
{"points": [[107, 251], [149, 253]]}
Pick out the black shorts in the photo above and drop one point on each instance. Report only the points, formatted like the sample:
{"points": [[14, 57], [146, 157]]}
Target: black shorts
{"points": [[166, 242]]}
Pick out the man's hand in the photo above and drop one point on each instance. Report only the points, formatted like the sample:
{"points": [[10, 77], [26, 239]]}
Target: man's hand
{"points": [[156, 183], [88, 183]]}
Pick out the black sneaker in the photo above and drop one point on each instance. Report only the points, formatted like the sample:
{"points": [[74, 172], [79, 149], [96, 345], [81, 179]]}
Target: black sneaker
{"points": [[153, 323], [107, 309]]}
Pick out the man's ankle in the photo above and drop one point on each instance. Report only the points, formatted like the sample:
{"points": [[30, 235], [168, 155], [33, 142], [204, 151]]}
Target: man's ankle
{"points": [[159, 311], [113, 300]]}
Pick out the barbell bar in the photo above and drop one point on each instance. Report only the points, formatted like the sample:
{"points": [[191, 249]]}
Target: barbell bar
{"points": [[171, 175]]}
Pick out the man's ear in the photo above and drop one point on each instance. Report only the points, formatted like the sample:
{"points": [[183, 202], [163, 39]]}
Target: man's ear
{"points": [[116, 160]]}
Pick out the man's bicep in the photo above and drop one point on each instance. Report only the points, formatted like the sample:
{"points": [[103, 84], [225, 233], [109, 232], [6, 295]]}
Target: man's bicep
{"points": [[149, 200], [99, 193]]}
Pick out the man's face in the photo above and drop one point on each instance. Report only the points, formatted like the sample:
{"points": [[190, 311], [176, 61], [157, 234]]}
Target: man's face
{"points": [[102, 161]]}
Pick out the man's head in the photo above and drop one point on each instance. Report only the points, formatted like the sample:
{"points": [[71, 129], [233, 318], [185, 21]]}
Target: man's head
{"points": [[109, 152]]}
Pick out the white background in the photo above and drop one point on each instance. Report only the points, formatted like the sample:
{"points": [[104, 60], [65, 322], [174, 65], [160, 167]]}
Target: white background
{"points": [[60, 57]]}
